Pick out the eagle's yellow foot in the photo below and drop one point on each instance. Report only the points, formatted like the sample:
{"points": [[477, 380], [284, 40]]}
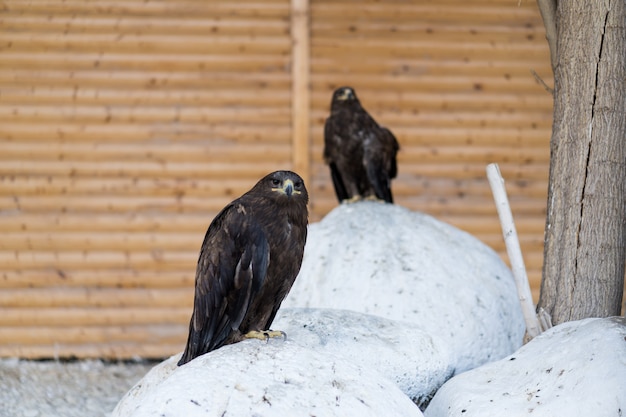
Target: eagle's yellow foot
{"points": [[374, 198], [265, 334], [351, 200]]}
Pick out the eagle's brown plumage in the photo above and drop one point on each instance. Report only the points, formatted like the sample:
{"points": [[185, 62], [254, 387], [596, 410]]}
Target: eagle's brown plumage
{"points": [[248, 262], [360, 153]]}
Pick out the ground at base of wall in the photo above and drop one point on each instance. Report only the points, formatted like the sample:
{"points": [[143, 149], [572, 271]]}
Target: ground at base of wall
{"points": [[85, 388]]}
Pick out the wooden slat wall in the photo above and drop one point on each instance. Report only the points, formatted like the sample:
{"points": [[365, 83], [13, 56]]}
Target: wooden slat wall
{"points": [[124, 127], [453, 81]]}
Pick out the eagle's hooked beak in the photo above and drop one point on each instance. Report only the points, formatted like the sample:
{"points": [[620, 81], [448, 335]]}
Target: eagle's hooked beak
{"points": [[287, 188]]}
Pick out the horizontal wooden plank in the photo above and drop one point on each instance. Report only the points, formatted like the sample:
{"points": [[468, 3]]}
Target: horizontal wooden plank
{"points": [[158, 151], [81, 95], [189, 8], [430, 83], [417, 172], [139, 222], [146, 79], [118, 350], [442, 206], [436, 43], [49, 185], [66, 22], [394, 29], [93, 241], [157, 132], [476, 188], [153, 62], [60, 297], [149, 261], [89, 316], [112, 278], [472, 154], [407, 116], [453, 136], [210, 169], [442, 66], [261, 116], [43, 335], [530, 226], [430, 12], [131, 43], [468, 50], [102, 203], [442, 101]]}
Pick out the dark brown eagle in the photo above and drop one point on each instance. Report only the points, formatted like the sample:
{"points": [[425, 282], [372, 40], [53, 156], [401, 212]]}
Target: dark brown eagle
{"points": [[248, 262], [360, 153]]}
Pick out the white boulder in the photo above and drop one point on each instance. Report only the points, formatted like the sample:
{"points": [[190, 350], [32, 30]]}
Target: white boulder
{"points": [[386, 260], [255, 378], [402, 352], [574, 369]]}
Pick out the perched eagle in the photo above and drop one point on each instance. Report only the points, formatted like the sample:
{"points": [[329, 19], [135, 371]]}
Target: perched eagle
{"points": [[361, 154], [248, 262]]}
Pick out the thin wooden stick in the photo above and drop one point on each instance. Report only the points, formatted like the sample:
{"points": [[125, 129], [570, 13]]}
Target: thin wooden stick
{"points": [[513, 250], [301, 88]]}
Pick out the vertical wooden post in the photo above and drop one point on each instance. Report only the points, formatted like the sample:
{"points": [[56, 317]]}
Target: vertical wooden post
{"points": [[300, 98]]}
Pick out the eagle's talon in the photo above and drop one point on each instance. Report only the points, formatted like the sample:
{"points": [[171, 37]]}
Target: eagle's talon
{"points": [[374, 198], [265, 335], [351, 200]]}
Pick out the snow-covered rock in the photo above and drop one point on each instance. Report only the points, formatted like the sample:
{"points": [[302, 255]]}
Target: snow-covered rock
{"points": [[413, 300], [373, 349], [386, 260], [402, 352], [255, 378], [574, 369]]}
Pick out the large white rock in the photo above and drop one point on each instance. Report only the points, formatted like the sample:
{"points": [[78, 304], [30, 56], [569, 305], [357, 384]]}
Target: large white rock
{"points": [[255, 378], [574, 369], [386, 260], [402, 352]]}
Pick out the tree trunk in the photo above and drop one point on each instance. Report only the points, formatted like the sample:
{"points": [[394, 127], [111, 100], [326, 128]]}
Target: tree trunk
{"points": [[585, 236]]}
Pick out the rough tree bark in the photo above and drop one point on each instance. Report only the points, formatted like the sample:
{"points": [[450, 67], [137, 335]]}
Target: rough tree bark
{"points": [[585, 235]]}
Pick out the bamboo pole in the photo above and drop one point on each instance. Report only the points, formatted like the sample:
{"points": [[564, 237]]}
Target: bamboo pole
{"points": [[300, 87], [514, 251]]}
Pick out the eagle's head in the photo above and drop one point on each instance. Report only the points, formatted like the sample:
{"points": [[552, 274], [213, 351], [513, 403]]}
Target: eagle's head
{"points": [[284, 185], [344, 94]]}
